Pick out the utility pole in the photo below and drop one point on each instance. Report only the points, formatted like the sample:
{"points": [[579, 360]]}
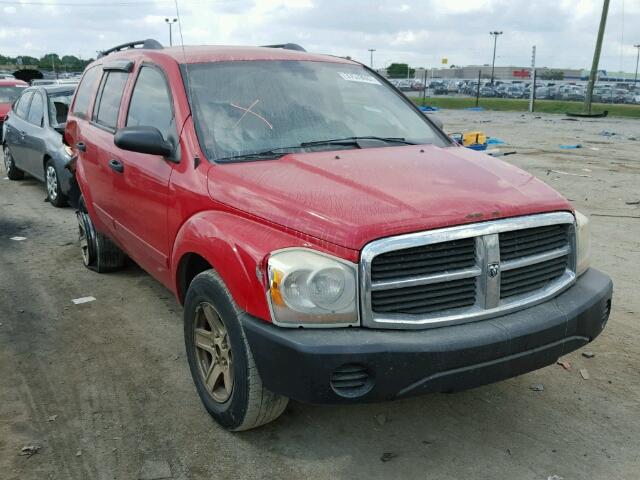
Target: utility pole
{"points": [[635, 79], [596, 57], [495, 41], [170, 22], [533, 78], [371, 50]]}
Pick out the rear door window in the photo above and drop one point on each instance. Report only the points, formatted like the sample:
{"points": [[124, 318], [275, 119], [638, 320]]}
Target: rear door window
{"points": [[85, 90], [110, 95], [23, 104], [36, 111], [151, 104]]}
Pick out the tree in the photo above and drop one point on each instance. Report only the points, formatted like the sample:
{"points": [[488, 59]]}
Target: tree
{"points": [[399, 70], [550, 74]]}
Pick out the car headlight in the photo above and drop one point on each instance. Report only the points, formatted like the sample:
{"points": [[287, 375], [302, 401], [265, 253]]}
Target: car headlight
{"points": [[583, 243], [308, 288]]}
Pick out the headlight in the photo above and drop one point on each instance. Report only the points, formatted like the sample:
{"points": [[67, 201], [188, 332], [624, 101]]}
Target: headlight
{"points": [[68, 151], [308, 288], [583, 243]]}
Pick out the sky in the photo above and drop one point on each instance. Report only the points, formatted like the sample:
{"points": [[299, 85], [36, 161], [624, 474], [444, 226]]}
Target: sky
{"points": [[418, 32]]}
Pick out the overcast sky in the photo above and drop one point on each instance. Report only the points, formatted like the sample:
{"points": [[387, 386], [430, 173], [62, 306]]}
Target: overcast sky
{"points": [[419, 32]]}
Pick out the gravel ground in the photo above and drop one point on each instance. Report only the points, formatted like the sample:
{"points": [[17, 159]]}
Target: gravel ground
{"points": [[104, 391]]}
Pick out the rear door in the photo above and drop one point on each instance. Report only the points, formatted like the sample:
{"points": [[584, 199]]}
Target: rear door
{"points": [[33, 136], [142, 187], [15, 130]]}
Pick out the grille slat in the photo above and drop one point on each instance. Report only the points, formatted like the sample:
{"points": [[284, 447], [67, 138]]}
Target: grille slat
{"points": [[532, 277], [530, 241]]}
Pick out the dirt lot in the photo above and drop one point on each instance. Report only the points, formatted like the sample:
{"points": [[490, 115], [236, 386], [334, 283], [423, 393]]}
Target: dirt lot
{"points": [[104, 390]]}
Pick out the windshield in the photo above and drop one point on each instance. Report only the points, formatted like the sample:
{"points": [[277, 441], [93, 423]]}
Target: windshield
{"points": [[248, 107], [9, 94], [59, 107]]}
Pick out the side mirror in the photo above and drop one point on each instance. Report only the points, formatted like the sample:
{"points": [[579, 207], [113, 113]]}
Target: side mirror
{"points": [[142, 140]]}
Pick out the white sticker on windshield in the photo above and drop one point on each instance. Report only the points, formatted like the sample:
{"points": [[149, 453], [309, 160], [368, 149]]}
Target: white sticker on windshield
{"points": [[359, 77]]}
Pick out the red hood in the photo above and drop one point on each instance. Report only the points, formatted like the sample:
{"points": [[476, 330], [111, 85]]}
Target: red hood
{"points": [[4, 109], [351, 197]]}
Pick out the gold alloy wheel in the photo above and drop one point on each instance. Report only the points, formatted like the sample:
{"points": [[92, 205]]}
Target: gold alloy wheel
{"points": [[213, 352]]}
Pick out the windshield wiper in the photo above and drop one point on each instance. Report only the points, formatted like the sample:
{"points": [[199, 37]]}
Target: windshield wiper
{"points": [[354, 141], [271, 154]]}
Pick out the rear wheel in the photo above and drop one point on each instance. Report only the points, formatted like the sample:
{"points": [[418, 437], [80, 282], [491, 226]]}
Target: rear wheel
{"points": [[220, 360], [98, 252], [13, 172], [54, 192]]}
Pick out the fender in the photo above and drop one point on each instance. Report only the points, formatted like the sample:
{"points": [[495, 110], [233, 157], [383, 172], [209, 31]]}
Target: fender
{"points": [[237, 248]]}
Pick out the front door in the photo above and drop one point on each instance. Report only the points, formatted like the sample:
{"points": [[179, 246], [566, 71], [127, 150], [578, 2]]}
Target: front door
{"points": [[142, 187]]}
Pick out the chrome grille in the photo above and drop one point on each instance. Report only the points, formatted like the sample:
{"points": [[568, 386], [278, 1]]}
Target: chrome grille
{"points": [[464, 273]]}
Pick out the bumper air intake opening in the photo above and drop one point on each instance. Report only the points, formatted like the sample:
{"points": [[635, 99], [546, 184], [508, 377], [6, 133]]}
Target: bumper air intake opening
{"points": [[351, 380]]}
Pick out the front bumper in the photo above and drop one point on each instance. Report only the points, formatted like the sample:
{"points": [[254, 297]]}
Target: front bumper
{"points": [[349, 365]]}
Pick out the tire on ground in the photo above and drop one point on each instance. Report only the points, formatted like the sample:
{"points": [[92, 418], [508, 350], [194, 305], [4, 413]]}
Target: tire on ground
{"points": [[13, 172], [250, 404], [102, 254], [60, 199]]}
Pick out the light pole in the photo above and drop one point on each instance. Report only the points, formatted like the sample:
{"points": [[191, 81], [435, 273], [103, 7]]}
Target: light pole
{"points": [[371, 50], [170, 22], [635, 79], [495, 41]]}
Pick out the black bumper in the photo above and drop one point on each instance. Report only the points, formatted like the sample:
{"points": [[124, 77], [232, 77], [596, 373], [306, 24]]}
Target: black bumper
{"points": [[359, 364]]}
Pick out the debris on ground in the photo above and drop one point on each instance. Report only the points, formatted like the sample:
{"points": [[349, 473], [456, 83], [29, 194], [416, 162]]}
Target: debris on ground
{"points": [[52, 418], [428, 108], [606, 133], [567, 173], [554, 477], [381, 419], [78, 301], [501, 154], [18, 239], [388, 456], [29, 450], [588, 354], [564, 364], [584, 373], [475, 109], [155, 470], [495, 141], [78, 453], [537, 387], [634, 202], [567, 147]]}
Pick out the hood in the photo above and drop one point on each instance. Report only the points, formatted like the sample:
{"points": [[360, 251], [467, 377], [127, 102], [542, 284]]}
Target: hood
{"points": [[351, 197], [4, 109]]}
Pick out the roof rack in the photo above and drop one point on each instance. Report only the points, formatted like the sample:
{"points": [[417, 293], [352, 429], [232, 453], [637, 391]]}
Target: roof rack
{"points": [[149, 44], [287, 46]]}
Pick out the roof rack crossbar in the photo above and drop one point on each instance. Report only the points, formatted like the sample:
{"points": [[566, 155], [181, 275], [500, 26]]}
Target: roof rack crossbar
{"points": [[287, 46], [149, 44]]}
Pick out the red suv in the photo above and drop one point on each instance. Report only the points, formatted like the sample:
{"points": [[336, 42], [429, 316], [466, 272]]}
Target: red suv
{"points": [[328, 241]]}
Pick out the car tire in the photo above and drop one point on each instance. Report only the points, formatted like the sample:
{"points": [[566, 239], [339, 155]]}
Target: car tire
{"points": [[52, 183], [13, 172], [216, 345], [99, 253]]}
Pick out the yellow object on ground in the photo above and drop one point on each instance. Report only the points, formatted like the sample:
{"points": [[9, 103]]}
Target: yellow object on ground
{"points": [[471, 138]]}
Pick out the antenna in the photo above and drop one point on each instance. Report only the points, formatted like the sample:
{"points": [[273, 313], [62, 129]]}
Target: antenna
{"points": [[184, 54]]}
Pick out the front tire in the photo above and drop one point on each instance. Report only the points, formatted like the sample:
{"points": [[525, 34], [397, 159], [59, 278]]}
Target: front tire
{"points": [[99, 253], [220, 360], [52, 181], [13, 172]]}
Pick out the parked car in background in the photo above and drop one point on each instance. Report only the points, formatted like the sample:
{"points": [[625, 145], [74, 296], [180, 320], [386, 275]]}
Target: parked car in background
{"points": [[33, 140], [487, 91], [633, 98], [10, 89]]}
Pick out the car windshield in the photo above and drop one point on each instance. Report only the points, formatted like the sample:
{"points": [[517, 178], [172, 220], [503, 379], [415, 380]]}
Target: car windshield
{"points": [[246, 107], [9, 94], [59, 107]]}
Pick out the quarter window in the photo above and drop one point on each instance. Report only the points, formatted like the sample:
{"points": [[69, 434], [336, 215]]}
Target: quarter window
{"points": [[85, 89], [109, 106], [151, 103], [36, 111], [23, 104]]}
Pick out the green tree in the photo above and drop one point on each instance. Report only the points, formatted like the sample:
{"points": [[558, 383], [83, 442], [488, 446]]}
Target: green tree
{"points": [[551, 75], [399, 70]]}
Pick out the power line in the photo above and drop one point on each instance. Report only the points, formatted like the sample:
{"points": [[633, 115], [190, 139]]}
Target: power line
{"points": [[101, 4]]}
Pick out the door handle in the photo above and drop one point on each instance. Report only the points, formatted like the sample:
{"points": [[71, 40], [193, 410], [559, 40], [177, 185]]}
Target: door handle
{"points": [[116, 165], [81, 146]]}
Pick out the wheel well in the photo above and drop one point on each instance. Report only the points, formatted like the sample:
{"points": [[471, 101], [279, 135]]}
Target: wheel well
{"points": [[191, 264], [45, 159]]}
